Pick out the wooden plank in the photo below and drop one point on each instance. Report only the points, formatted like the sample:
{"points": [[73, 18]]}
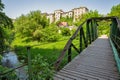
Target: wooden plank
{"points": [[62, 77], [57, 78], [71, 76], [81, 75], [94, 63], [102, 76], [95, 68], [96, 71]]}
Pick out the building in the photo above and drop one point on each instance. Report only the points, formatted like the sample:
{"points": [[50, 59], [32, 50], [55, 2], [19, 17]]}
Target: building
{"points": [[74, 13], [57, 14], [67, 14], [50, 17], [70, 14], [78, 12]]}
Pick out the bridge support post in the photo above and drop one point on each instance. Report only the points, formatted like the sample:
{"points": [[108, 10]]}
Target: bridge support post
{"points": [[88, 32], [95, 29], [69, 53], [84, 38], [92, 31], [29, 63], [80, 39]]}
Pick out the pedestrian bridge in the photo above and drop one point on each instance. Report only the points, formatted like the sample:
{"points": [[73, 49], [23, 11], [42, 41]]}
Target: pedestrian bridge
{"points": [[99, 60]]}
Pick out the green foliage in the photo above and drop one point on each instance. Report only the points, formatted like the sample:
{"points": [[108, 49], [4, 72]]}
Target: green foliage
{"points": [[36, 26], [52, 34], [41, 69], [66, 31], [26, 25], [39, 35], [7, 74], [1, 6], [103, 28], [49, 51], [115, 11], [5, 22], [49, 34]]}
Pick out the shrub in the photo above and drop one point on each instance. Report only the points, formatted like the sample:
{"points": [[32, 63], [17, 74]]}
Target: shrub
{"points": [[66, 32], [41, 69], [53, 38], [39, 35]]}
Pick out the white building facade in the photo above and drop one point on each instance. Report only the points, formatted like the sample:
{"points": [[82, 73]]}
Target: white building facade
{"points": [[74, 13]]}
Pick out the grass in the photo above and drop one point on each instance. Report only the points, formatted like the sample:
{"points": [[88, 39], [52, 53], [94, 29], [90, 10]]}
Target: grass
{"points": [[50, 51]]}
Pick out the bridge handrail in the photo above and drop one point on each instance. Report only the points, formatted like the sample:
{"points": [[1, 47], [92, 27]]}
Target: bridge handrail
{"points": [[91, 35], [68, 46], [115, 40]]}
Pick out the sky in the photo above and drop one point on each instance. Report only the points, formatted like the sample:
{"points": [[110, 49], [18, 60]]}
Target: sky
{"points": [[14, 8]]}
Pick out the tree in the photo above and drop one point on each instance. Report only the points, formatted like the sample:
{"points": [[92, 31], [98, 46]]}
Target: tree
{"points": [[103, 27], [52, 34], [65, 32], [28, 25], [35, 27], [115, 11], [5, 22]]}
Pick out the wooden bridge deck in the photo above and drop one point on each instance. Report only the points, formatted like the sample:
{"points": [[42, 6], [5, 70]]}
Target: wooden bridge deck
{"points": [[94, 63]]}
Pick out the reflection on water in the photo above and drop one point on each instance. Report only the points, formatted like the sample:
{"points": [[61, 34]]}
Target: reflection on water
{"points": [[10, 60]]}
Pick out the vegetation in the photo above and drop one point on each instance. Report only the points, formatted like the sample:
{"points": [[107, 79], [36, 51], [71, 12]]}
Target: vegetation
{"points": [[5, 24], [65, 32], [41, 70], [104, 28], [115, 11]]}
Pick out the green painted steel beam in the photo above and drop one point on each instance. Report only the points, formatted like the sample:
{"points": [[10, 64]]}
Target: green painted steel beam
{"points": [[115, 55]]}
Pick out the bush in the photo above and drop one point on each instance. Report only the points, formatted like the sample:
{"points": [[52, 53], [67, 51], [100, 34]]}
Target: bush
{"points": [[39, 35], [52, 34], [53, 38], [66, 32], [41, 69], [9, 75]]}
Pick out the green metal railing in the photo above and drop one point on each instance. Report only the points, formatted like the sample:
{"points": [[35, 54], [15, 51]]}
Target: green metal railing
{"points": [[88, 34], [115, 39]]}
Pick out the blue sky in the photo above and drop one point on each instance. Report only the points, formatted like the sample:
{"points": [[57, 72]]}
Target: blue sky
{"points": [[14, 8]]}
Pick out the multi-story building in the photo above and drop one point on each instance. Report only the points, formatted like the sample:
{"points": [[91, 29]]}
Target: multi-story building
{"points": [[57, 14], [51, 17], [70, 14], [67, 14], [74, 13], [78, 12]]}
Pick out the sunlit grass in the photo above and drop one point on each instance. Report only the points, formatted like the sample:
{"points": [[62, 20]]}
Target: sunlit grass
{"points": [[50, 51]]}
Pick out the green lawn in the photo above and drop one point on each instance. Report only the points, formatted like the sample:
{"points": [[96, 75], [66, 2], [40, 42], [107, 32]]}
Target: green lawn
{"points": [[50, 51]]}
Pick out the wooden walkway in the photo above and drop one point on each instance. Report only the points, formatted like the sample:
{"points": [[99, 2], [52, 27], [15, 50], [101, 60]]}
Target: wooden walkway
{"points": [[95, 63]]}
